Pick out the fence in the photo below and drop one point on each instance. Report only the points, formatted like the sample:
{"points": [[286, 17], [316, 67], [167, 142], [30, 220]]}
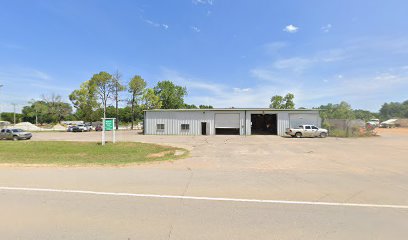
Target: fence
{"points": [[345, 127]]}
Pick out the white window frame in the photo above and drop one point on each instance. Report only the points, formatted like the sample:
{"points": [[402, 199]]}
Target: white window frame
{"points": [[159, 127], [184, 125]]}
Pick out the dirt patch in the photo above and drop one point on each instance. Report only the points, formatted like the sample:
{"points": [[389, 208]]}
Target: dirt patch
{"points": [[159, 155], [392, 131]]}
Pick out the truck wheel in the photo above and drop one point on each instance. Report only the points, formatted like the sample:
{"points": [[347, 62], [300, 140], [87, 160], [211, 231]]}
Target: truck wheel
{"points": [[323, 135], [298, 135], [15, 138]]}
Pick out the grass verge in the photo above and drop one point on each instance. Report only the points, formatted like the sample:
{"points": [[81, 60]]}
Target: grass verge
{"points": [[84, 153]]}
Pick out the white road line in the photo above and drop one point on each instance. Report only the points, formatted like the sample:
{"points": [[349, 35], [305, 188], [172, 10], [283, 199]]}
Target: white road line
{"points": [[138, 195]]}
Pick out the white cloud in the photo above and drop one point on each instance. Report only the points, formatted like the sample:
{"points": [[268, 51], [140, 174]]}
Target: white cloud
{"points": [[23, 84], [332, 55], [219, 95], [204, 2], [155, 24], [241, 90], [274, 47], [326, 28], [291, 29], [195, 29], [296, 64], [354, 89], [264, 73], [191, 82]]}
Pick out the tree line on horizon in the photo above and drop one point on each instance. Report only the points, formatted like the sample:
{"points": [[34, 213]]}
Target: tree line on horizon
{"points": [[103, 94]]}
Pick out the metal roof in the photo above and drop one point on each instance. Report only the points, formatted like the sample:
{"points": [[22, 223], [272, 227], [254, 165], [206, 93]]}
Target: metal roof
{"points": [[230, 109]]}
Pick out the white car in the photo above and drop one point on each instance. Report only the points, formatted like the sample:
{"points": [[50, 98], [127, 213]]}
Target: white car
{"points": [[84, 127]]}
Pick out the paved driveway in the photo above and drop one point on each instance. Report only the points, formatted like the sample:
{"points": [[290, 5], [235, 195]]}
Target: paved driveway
{"points": [[353, 171]]}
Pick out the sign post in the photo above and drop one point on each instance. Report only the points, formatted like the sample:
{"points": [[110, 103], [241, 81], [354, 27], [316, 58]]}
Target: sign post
{"points": [[108, 125]]}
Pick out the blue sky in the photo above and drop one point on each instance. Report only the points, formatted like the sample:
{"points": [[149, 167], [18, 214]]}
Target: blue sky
{"points": [[227, 53]]}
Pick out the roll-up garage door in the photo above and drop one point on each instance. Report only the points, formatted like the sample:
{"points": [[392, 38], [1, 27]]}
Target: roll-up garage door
{"points": [[297, 119], [227, 120]]}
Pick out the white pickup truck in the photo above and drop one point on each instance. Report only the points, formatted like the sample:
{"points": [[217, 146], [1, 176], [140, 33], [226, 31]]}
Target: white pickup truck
{"points": [[307, 131]]}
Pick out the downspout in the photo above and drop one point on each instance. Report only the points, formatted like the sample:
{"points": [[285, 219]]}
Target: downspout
{"points": [[245, 125], [144, 122]]}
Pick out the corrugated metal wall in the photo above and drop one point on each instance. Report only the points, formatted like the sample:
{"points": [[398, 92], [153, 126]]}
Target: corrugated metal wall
{"points": [[173, 120]]}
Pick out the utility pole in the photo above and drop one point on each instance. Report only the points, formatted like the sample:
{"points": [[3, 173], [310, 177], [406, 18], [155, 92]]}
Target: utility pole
{"points": [[1, 85], [14, 115]]}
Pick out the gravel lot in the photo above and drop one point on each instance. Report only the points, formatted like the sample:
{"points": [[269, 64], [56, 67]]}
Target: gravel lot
{"points": [[356, 170]]}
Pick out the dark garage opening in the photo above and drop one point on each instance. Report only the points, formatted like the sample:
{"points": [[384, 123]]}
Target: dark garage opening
{"points": [[264, 124], [227, 131]]}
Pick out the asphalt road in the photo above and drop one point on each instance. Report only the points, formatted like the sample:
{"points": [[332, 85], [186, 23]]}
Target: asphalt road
{"points": [[352, 171]]}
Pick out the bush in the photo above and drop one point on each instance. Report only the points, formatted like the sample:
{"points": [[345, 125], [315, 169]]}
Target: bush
{"points": [[352, 132], [338, 133]]}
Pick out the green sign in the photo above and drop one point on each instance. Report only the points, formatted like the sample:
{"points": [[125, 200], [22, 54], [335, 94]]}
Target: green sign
{"points": [[108, 124]]}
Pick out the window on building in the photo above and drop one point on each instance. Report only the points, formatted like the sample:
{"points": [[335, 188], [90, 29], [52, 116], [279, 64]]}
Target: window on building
{"points": [[185, 127], [160, 126]]}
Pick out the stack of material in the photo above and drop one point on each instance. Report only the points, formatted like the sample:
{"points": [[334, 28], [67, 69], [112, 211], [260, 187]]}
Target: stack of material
{"points": [[58, 127], [402, 122], [4, 124], [27, 126]]}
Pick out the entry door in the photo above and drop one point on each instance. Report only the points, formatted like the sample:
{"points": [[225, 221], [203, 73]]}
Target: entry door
{"points": [[203, 128], [308, 132]]}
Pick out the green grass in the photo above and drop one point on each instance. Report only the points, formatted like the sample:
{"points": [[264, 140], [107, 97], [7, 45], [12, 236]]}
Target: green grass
{"points": [[83, 153]]}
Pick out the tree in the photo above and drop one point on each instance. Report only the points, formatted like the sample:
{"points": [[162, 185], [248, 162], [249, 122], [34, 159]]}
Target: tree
{"points": [[9, 117], [364, 114], [51, 109], [36, 112], [104, 88], [190, 106], [117, 88], [136, 88], [151, 100], [205, 107], [57, 109], [172, 96], [394, 110], [286, 102], [85, 101], [342, 110]]}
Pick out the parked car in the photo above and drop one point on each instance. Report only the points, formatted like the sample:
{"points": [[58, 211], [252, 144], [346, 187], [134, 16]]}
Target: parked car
{"points": [[307, 131], [374, 122], [76, 129], [69, 129], [88, 126], [84, 127], [14, 134], [98, 128], [391, 123]]}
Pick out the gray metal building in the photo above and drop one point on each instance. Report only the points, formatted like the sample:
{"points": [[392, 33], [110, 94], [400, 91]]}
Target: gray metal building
{"points": [[242, 121]]}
